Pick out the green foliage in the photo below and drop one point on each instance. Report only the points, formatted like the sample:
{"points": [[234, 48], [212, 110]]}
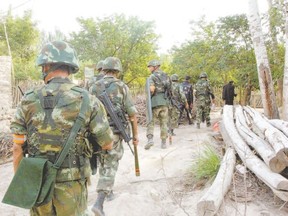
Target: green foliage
{"points": [[131, 40], [23, 38], [223, 49], [207, 163]]}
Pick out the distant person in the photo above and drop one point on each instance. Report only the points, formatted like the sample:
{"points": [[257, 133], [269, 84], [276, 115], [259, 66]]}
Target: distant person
{"points": [[178, 99], [188, 91], [99, 74], [204, 97], [228, 93], [160, 83]]}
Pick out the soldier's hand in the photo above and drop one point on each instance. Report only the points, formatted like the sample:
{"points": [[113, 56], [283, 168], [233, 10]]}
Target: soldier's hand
{"points": [[108, 146], [135, 140], [191, 106]]}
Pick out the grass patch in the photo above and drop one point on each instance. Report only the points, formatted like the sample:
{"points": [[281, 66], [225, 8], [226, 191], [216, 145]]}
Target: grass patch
{"points": [[207, 164]]}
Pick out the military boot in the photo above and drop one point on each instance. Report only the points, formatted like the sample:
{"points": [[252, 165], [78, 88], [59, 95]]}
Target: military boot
{"points": [[208, 124], [149, 142], [198, 125], [163, 144], [98, 205]]}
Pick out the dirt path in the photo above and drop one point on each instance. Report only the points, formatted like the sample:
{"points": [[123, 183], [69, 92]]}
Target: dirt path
{"points": [[164, 187]]}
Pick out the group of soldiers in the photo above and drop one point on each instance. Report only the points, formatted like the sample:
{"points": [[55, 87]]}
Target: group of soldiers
{"points": [[169, 99], [45, 116]]}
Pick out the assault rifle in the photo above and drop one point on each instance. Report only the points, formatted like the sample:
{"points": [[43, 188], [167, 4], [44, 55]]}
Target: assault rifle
{"points": [[116, 117]]}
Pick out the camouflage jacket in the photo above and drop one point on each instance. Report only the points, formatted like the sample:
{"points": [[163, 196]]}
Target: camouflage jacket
{"points": [[118, 93], [203, 90], [178, 93], [46, 115]]}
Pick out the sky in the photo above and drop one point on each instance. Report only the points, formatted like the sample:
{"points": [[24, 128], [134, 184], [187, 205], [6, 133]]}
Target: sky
{"points": [[171, 17]]}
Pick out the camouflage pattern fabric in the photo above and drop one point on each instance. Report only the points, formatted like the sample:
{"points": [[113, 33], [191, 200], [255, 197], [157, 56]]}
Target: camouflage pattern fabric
{"points": [[58, 52], [203, 101], [159, 101], [30, 116], [109, 162], [121, 98], [174, 112], [66, 195], [94, 79], [161, 113], [47, 140], [161, 81]]}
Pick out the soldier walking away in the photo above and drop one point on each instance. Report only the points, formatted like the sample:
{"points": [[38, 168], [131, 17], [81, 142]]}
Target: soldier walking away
{"points": [[119, 95], [228, 93], [178, 99], [188, 91], [45, 117], [98, 76], [159, 86], [204, 96]]}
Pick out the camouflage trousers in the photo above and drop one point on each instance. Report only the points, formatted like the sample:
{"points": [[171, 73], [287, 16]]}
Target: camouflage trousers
{"points": [[161, 113], [70, 198], [202, 112], [109, 162], [173, 114]]}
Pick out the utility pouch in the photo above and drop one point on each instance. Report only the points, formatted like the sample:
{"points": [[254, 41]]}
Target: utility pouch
{"points": [[32, 185]]}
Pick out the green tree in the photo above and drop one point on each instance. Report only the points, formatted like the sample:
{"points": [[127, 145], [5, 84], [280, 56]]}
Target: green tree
{"points": [[23, 38], [131, 40]]}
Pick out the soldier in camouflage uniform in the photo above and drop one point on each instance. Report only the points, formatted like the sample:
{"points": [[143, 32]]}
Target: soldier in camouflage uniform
{"points": [[98, 76], [203, 95], [45, 117], [188, 91], [178, 98], [160, 84], [120, 97]]}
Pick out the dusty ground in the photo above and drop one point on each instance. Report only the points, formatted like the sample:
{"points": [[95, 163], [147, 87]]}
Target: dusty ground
{"points": [[165, 187]]}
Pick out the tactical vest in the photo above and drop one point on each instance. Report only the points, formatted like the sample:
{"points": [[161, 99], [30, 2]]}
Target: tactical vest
{"points": [[162, 88], [202, 88], [46, 138], [186, 89], [111, 89]]}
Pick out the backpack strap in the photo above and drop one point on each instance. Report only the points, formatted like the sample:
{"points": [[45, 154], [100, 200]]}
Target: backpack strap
{"points": [[75, 129]]}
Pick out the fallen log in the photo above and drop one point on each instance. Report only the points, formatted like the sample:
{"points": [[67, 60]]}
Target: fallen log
{"points": [[275, 138], [273, 180], [280, 125], [263, 148], [210, 202]]}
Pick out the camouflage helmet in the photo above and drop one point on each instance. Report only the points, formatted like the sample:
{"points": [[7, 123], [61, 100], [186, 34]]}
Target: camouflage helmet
{"points": [[99, 65], [174, 77], [203, 75], [58, 52], [154, 63], [112, 63]]}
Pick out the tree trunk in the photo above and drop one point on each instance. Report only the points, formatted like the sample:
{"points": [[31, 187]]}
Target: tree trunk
{"points": [[276, 138], [274, 180], [264, 149], [264, 73], [285, 78]]}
